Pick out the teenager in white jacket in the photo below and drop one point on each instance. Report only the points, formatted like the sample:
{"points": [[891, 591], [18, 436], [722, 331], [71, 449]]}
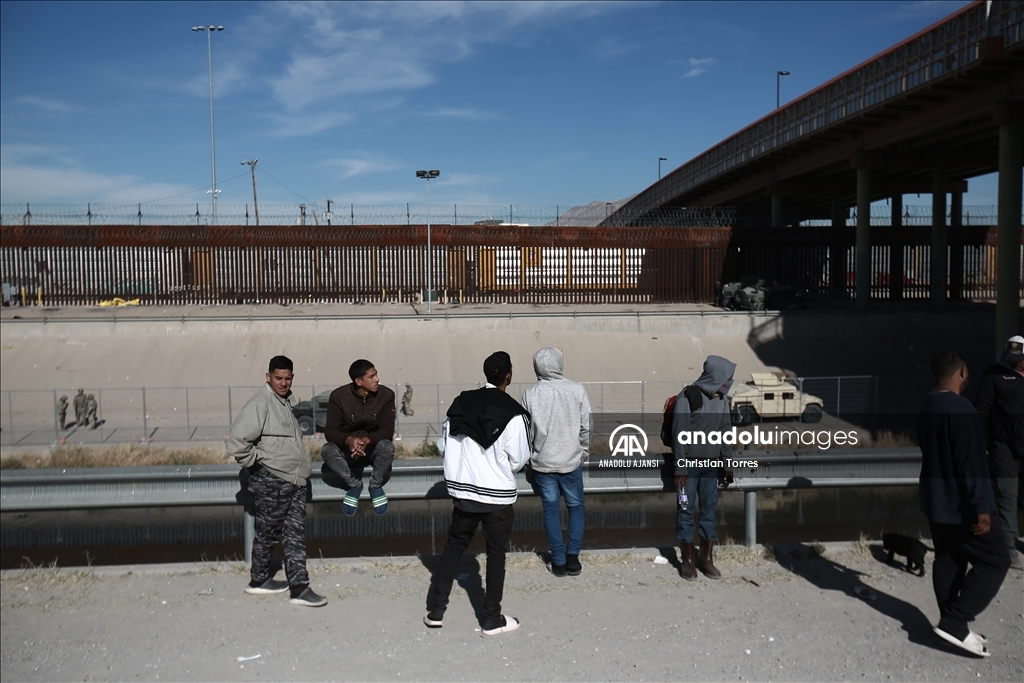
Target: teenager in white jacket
{"points": [[485, 444]]}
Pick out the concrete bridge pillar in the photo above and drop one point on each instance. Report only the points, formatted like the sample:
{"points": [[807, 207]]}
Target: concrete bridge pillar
{"points": [[956, 245], [837, 252], [863, 236], [777, 209], [938, 274], [896, 266], [1010, 119]]}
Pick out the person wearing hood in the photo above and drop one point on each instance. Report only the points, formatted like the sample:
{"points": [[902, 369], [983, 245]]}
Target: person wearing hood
{"points": [[1000, 404], [702, 407], [559, 443], [485, 443]]}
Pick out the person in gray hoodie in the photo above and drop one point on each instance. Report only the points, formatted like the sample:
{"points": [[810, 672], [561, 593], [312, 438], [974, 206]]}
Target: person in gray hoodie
{"points": [[700, 419], [559, 445]]}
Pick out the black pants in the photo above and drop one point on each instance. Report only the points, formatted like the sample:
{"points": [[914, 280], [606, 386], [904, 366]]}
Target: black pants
{"points": [[1006, 475], [350, 470], [497, 529], [964, 593], [280, 518]]}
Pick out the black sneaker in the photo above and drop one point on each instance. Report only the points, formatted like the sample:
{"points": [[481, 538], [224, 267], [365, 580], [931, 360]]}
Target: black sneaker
{"points": [[433, 620], [557, 569], [308, 598], [572, 565], [267, 587]]}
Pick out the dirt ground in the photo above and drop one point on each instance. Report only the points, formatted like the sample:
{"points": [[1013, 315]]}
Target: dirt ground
{"points": [[792, 614]]}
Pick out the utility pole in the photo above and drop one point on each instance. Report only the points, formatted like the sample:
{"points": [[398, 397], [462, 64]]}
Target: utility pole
{"points": [[255, 204]]}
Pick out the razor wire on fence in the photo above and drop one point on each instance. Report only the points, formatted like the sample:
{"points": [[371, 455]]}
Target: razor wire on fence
{"points": [[338, 214], [168, 415]]}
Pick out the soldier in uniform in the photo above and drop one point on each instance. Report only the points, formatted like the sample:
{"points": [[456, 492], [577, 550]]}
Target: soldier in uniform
{"points": [[90, 412], [79, 405], [407, 402], [62, 412]]}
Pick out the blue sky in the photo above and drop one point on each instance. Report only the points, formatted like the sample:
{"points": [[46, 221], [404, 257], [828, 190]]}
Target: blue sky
{"points": [[524, 103]]}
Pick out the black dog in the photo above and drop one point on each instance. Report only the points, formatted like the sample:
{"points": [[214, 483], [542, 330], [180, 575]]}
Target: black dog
{"points": [[905, 545]]}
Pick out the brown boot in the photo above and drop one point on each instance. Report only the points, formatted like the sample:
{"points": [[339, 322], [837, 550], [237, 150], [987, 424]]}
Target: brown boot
{"points": [[706, 562], [687, 570]]}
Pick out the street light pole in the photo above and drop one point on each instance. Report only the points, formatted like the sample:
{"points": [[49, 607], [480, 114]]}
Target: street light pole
{"points": [[778, 80], [660, 159], [252, 169], [428, 175], [213, 146]]}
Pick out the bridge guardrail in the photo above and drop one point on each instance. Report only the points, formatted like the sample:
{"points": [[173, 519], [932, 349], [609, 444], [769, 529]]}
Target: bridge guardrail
{"points": [[39, 490]]}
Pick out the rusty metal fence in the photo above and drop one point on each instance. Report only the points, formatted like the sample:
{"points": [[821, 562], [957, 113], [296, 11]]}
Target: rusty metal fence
{"points": [[160, 265], [60, 265]]}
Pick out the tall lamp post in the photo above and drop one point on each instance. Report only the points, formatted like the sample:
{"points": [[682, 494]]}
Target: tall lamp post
{"points": [[255, 204], [213, 147], [660, 159], [428, 175], [778, 80]]}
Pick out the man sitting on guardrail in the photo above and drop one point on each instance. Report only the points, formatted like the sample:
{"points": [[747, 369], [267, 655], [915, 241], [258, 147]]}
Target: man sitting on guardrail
{"points": [[560, 443], [1000, 403], [360, 429], [701, 409], [266, 440], [956, 497]]}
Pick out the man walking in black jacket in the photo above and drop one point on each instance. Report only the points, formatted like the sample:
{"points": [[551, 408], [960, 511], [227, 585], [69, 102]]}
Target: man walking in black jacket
{"points": [[1000, 403], [956, 497]]}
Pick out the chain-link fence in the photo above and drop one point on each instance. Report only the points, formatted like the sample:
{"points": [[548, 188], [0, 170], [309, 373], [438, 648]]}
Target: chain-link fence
{"points": [[204, 414]]}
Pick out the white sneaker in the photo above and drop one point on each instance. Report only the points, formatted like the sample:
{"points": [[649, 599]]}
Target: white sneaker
{"points": [[511, 624]]}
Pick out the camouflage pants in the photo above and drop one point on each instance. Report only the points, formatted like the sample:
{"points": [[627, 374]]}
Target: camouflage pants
{"points": [[280, 518]]}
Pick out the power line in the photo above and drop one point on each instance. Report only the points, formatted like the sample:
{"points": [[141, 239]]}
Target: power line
{"points": [[263, 170], [201, 189]]}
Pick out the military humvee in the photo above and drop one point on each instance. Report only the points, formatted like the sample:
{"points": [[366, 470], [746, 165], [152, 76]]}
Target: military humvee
{"points": [[772, 395], [312, 415], [752, 293]]}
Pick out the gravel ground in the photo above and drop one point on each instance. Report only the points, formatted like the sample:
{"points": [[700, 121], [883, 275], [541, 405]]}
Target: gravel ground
{"points": [[790, 615]]}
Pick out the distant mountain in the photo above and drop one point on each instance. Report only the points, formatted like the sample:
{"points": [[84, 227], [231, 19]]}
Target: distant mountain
{"points": [[591, 214]]}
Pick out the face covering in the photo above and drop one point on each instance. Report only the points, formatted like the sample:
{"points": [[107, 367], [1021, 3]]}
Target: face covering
{"points": [[725, 388]]}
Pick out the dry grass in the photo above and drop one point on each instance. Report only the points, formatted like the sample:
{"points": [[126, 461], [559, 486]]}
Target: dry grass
{"points": [[47, 576], [123, 455], [862, 546], [148, 455], [888, 439]]}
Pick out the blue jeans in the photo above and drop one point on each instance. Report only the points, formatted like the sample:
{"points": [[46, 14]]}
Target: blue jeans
{"points": [[702, 484], [570, 485]]}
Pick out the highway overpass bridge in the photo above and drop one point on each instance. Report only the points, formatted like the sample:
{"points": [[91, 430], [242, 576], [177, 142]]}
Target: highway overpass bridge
{"points": [[941, 107]]}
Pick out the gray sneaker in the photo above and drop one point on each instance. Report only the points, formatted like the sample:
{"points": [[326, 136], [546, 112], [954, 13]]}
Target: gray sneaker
{"points": [[309, 599], [1015, 562], [267, 587]]}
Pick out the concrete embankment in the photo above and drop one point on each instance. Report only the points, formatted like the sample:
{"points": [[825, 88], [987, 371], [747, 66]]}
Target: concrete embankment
{"points": [[230, 345]]}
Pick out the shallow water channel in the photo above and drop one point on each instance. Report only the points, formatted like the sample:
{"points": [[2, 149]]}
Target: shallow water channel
{"points": [[173, 534]]}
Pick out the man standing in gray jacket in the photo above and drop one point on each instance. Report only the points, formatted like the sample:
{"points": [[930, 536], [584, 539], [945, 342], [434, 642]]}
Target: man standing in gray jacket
{"points": [[266, 440], [701, 411], [559, 445]]}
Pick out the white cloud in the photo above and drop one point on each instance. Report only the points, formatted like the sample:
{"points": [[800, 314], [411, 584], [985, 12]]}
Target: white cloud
{"points": [[308, 124], [699, 66], [361, 165], [467, 113], [40, 184], [344, 52], [48, 104]]}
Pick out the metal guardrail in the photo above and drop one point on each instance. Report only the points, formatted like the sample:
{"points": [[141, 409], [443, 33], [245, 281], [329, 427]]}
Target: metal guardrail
{"points": [[38, 490]]}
